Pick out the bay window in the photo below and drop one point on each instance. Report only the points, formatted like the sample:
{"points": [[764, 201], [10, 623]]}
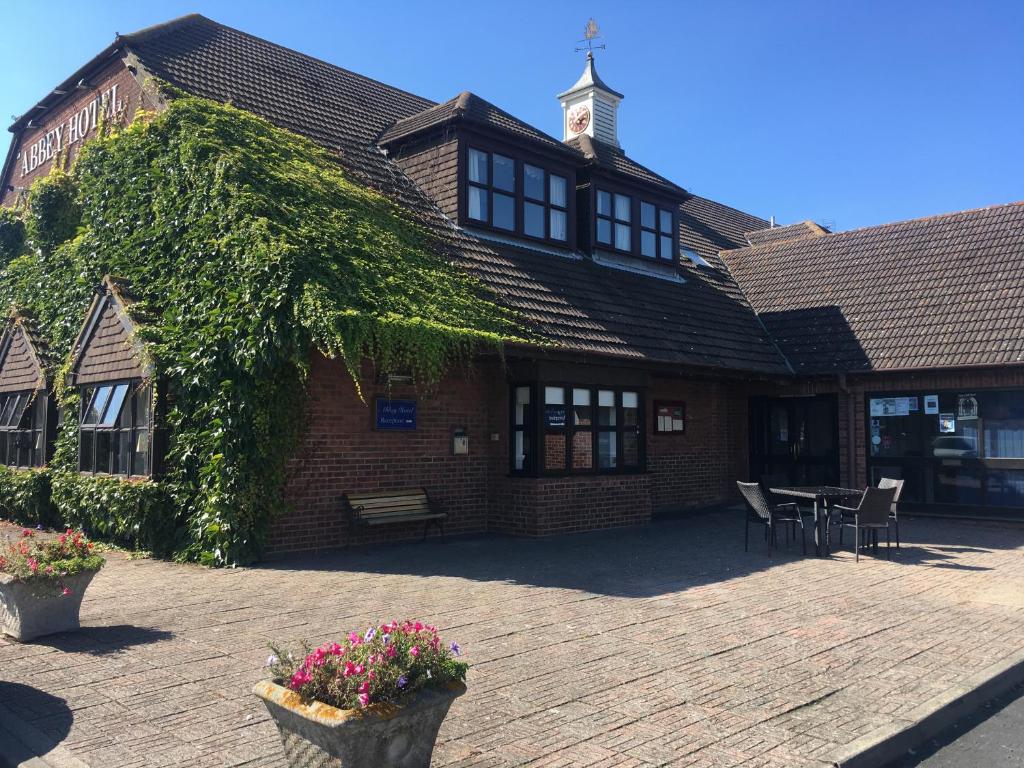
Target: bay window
{"points": [[22, 420], [582, 430], [115, 423]]}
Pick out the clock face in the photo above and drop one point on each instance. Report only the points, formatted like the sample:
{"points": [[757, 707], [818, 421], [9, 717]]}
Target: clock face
{"points": [[579, 118]]}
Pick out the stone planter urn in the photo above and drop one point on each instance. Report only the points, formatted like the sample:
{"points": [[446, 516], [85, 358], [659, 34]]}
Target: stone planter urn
{"points": [[33, 608], [317, 735]]}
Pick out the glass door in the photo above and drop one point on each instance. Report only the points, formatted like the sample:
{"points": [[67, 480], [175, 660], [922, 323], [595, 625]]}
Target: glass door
{"points": [[793, 440]]}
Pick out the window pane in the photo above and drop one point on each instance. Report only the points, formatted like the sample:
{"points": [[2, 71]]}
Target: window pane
{"points": [[533, 219], [522, 405], [478, 166], [666, 248], [557, 184], [98, 405], [604, 204], [604, 231], [103, 451], [142, 399], [623, 237], [581, 408], [622, 203], [558, 231], [121, 442], [477, 203], [20, 401], [9, 402], [504, 173], [666, 222], [630, 400], [519, 449], [38, 411], [648, 244], [533, 182], [607, 450], [114, 404], [140, 452], [504, 211], [554, 396], [85, 443], [647, 215], [554, 451], [583, 450], [606, 408], [554, 408]]}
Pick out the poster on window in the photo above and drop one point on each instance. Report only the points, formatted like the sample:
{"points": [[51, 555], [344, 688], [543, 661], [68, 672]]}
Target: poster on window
{"points": [[554, 415], [947, 423], [891, 406], [967, 407], [931, 405]]}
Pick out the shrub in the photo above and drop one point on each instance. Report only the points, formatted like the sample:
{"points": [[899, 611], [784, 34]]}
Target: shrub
{"points": [[385, 665], [25, 496], [48, 562]]}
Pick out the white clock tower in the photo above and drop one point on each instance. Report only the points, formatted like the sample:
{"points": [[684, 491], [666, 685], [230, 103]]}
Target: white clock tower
{"points": [[590, 107]]}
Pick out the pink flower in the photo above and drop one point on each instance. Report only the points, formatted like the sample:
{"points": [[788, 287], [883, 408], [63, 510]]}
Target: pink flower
{"points": [[33, 564], [349, 670], [418, 627], [414, 651], [354, 638], [299, 679], [364, 687], [359, 669], [391, 652], [364, 699], [370, 675], [65, 591]]}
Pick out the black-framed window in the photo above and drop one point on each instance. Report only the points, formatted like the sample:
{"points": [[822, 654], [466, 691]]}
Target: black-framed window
{"points": [[22, 429], [582, 430], [517, 196], [615, 216], [115, 425]]}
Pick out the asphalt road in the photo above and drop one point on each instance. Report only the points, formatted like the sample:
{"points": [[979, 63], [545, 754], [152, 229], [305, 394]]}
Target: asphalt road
{"points": [[992, 737]]}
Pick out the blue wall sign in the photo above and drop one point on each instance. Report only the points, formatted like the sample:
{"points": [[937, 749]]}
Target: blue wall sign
{"points": [[396, 414]]}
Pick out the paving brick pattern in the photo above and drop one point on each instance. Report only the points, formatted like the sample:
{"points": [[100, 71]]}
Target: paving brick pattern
{"points": [[660, 645]]}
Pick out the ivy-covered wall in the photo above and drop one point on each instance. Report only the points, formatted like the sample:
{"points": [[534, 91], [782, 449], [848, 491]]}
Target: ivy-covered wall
{"points": [[249, 250]]}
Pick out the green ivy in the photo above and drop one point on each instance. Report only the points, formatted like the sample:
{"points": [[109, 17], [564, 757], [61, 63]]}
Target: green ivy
{"points": [[25, 497], [250, 251], [12, 235], [53, 212]]}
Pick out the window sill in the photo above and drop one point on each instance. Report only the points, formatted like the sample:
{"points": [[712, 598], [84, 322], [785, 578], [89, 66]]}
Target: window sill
{"points": [[664, 270]]}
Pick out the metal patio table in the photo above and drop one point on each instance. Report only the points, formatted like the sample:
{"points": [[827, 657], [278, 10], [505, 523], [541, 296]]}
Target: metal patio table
{"points": [[823, 496]]}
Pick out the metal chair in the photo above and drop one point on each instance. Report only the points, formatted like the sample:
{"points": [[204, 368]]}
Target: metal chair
{"points": [[780, 480], [763, 512], [871, 515], [888, 482]]}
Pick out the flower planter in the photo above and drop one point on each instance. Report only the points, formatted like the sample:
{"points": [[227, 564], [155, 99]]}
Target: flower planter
{"points": [[317, 735], [32, 608]]}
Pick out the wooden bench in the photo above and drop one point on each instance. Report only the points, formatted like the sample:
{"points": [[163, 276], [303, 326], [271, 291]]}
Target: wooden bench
{"points": [[385, 507]]}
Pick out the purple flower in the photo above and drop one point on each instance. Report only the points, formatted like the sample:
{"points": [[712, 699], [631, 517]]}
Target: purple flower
{"points": [[272, 660], [370, 634], [402, 681], [386, 638], [454, 647], [39, 527]]}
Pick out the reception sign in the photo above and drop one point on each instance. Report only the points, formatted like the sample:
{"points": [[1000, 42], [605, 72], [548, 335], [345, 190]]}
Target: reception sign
{"points": [[396, 415]]}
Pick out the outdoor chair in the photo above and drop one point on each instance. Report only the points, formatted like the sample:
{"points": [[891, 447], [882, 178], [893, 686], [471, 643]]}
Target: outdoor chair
{"points": [[871, 515], [760, 511], [781, 481], [888, 482]]}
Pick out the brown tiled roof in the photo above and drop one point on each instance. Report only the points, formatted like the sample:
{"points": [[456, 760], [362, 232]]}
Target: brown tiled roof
{"points": [[23, 356], [570, 301], [789, 232], [106, 348], [940, 291], [613, 159], [472, 109]]}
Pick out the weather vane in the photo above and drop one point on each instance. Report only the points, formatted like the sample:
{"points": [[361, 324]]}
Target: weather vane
{"points": [[590, 34]]}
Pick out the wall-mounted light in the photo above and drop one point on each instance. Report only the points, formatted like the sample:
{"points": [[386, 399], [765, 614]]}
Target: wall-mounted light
{"points": [[460, 441], [83, 84]]}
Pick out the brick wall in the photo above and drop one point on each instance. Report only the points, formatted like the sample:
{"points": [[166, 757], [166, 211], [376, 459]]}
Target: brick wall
{"points": [[129, 95]]}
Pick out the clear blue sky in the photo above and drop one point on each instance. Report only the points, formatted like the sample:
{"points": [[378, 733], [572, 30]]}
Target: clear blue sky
{"points": [[849, 113]]}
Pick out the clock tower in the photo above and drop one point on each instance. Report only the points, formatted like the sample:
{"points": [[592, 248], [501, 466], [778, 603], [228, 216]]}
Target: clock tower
{"points": [[590, 107]]}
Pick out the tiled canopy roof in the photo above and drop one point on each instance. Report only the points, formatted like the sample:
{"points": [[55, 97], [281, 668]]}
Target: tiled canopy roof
{"points": [[472, 109], [613, 159], [939, 291]]}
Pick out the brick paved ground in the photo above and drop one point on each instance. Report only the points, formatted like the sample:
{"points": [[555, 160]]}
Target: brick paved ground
{"points": [[650, 646]]}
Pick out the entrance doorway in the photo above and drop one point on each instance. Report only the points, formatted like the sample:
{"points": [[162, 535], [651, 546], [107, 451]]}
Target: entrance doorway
{"points": [[794, 440]]}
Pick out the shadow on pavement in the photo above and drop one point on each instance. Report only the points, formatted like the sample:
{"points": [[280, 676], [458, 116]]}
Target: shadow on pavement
{"points": [[50, 720], [640, 561], [100, 641]]}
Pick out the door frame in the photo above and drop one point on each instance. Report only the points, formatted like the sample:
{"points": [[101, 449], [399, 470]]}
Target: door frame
{"points": [[758, 412]]}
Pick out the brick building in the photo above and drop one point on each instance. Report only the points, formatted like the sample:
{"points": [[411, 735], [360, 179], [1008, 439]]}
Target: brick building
{"points": [[689, 344]]}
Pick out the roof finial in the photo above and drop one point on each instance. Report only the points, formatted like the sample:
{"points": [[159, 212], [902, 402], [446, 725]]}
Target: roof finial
{"points": [[590, 34]]}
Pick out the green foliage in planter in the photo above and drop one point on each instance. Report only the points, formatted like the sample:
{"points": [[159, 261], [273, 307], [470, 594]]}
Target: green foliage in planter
{"points": [[53, 212], [249, 251], [25, 497], [12, 235]]}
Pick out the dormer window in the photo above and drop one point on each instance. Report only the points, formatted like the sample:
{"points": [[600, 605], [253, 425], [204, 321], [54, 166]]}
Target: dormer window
{"points": [[515, 196], [614, 217], [114, 428], [22, 418]]}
